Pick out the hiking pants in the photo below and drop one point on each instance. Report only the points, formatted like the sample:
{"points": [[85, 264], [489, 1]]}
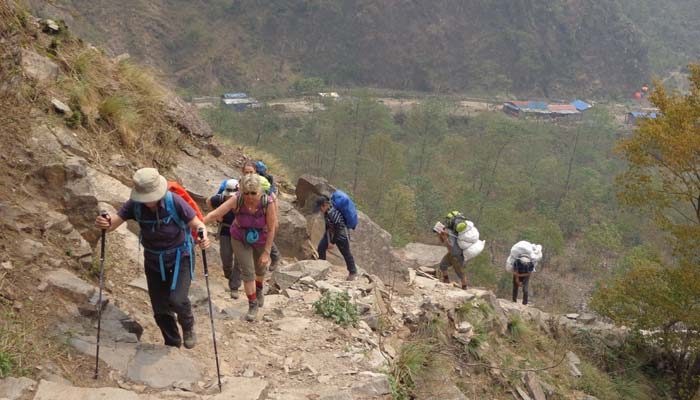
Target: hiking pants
{"points": [[344, 247], [455, 262], [525, 282], [275, 254], [248, 257], [232, 270], [166, 303]]}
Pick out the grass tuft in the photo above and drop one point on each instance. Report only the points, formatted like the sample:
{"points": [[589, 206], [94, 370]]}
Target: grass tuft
{"points": [[517, 328], [121, 112], [413, 360]]}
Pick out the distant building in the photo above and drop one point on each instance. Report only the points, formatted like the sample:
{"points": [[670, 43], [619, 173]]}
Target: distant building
{"points": [[634, 116], [541, 109], [238, 101], [238, 95], [333, 95]]}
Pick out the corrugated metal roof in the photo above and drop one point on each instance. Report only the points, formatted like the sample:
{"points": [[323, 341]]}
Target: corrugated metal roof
{"points": [[229, 102], [563, 109], [239, 95], [581, 105]]}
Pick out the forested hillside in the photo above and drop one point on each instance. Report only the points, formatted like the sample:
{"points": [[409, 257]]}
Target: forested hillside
{"points": [[550, 183], [669, 29], [538, 47]]}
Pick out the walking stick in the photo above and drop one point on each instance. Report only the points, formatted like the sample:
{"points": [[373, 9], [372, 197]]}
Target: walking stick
{"points": [[200, 233], [99, 298]]}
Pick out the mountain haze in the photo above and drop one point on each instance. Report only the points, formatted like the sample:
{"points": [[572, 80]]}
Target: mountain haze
{"points": [[536, 47]]}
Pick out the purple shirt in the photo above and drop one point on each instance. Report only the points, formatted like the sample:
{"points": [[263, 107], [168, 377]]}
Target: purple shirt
{"points": [[256, 220], [160, 236]]}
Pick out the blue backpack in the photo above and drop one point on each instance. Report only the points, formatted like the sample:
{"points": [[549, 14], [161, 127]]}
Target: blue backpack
{"points": [[187, 247], [343, 203]]}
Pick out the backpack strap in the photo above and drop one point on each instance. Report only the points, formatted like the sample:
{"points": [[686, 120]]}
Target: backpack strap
{"points": [[188, 245]]}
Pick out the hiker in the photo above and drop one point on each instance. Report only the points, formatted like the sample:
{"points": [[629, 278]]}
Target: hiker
{"points": [[523, 260], [261, 169], [336, 234], [165, 220], [522, 269], [249, 167], [252, 233], [232, 271], [455, 223]]}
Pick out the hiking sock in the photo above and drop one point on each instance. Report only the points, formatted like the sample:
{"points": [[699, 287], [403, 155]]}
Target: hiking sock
{"points": [[259, 293], [252, 297]]}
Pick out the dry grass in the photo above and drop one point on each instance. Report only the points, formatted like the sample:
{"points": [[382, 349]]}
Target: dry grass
{"points": [[120, 102]]}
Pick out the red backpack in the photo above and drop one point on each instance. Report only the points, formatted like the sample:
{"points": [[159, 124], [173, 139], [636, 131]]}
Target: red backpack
{"points": [[180, 191]]}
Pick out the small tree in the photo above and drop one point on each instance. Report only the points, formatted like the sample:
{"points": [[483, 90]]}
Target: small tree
{"points": [[662, 303]]}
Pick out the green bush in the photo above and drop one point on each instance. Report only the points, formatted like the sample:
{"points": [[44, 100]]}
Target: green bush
{"points": [[517, 328], [6, 364], [337, 306]]}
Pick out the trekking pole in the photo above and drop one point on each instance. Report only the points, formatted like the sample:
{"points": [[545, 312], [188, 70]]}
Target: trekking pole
{"points": [[103, 214], [200, 233]]}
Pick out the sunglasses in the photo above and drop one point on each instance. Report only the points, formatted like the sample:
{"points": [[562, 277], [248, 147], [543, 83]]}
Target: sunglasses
{"points": [[250, 193]]}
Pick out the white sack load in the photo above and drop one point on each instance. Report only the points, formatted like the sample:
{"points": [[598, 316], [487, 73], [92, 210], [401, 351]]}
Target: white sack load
{"points": [[473, 250], [509, 264], [524, 248], [468, 237]]}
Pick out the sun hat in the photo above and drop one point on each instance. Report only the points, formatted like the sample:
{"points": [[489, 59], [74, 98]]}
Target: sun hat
{"points": [[149, 186]]}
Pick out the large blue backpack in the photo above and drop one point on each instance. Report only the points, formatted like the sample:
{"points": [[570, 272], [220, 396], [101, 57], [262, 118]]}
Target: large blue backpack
{"points": [[343, 203], [187, 247]]}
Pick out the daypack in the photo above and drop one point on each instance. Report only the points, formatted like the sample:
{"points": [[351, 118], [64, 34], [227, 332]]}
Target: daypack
{"points": [[179, 190], [187, 246], [343, 203]]}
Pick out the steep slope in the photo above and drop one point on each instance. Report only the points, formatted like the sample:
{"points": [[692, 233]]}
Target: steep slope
{"points": [[537, 48]]}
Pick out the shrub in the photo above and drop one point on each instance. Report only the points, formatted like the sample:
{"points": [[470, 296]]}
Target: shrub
{"points": [[6, 364], [413, 360], [337, 306], [517, 328]]}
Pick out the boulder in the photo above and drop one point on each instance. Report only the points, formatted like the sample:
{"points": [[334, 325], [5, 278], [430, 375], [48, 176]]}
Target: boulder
{"points": [[57, 391], [186, 118], [241, 388], [69, 141], [61, 107], [70, 285], [38, 67], [419, 255], [29, 250], [371, 384], [534, 386], [293, 239], [116, 355], [201, 176], [13, 388], [161, 366], [287, 275], [308, 189]]}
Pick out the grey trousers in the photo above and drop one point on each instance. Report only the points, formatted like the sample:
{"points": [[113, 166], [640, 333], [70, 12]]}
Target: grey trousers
{"points": [[232, 269]]}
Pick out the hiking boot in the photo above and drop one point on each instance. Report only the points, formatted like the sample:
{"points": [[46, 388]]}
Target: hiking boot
{"points": [[252, 311], [273, 267], [234, 294], [261, 297], [190, 338], [352, 276]]}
